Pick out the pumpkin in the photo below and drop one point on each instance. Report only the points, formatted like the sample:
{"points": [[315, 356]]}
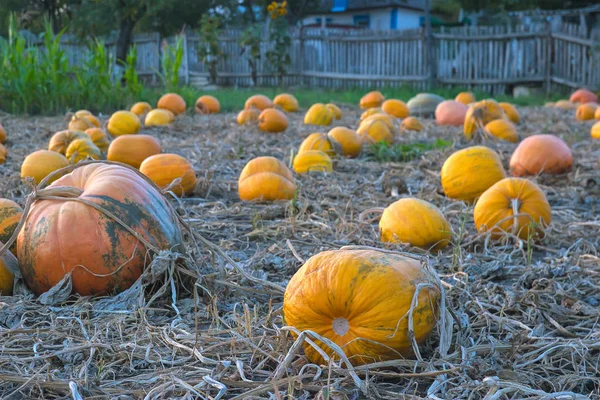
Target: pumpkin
{"points": [[62, 139], [503, 130], [583, 96], [89, 116], [42, 163], [312, 160], [479, 114], [259, 101], [372, 111], [3, 135], [140, 108], [10, 216], [3, 154], [511, 112], [450, 112], [411, 124], [595, 132], [318, 114], [416, 222], [8, 263], [360, 300], [287, 102], [335, 110], [159, 117], [597, 113], [345, 141], [80, 123], [373, 130], [465, 97], [513, 205], [133, 149], [99, 138], [64, 236], [538, 154], [586, 111], [207, 105], [81, 149], [249, 116], [266, 179], [123, 123], [163, 169], [372, 99], [564, 105], [172, 102], [272, 120], [383, 117], [550, 104], [424, 103], [317, 141], [395, 108], [469, 172]]}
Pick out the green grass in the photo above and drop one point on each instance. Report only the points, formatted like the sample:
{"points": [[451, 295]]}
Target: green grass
{"points": [[403, 152]]}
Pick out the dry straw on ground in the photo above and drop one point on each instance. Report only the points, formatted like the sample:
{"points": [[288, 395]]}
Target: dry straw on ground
{"points": [[525, 316]]}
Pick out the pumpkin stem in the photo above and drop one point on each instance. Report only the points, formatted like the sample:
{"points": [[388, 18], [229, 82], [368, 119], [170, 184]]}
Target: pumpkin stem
{"points": [[66, 192], [340, 326], [516, 207]]}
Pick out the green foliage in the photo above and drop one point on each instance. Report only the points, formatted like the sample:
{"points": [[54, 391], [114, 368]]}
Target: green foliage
{"points": [[130, 75], [279, 38], [171, 63], [401, 152], [250, 42], [209, 49]]}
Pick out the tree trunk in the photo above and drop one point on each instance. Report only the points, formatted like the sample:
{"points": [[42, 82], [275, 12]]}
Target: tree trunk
{"points": [[124, 39]]}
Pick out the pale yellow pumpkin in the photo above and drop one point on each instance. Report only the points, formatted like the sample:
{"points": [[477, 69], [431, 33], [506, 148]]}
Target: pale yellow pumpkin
{"points": [[335, 110], [465, 97], [42, 163], [317, 141], [159, 117], [123, 123], [511, 112], [81, 149], [312, 161], [318, 114], [375, 131]]}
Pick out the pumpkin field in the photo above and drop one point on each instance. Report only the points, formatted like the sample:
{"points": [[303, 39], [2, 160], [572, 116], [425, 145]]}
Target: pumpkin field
{"points": [[391, 249]]}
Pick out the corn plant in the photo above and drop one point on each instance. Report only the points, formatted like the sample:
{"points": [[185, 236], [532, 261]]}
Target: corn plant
{"points": [[171, 63]]}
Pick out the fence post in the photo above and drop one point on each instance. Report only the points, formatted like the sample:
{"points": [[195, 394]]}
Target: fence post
{"points": [[549, 50]]}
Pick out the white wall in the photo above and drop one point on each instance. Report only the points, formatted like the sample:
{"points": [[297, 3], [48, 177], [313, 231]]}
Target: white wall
{"points": [[409, 19], [380, 19]]}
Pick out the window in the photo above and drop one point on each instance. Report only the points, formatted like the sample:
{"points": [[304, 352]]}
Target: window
{"points": [[327, 21], [363, 21]]}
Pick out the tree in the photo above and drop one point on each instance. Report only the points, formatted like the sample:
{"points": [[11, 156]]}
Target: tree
{"points": [[31, 14]]}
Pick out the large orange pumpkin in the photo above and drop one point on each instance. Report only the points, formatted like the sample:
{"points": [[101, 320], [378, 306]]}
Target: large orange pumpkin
{"points": [[372, 99], [395, 108], [318, 114], [81, 149], [99, 138], [416, 222], [259, 101], [2, 134], [123, 123], [450, 112], [266, 179], [317, 141], [60, 141], [207, 105], [10, 215], [586, 111], [345, 141], [272, 120], [42, 163], [68, 236], [133, 149], [538, 154], [513, 205], [163, 169], [469, 172], [583, 96], [361, 300], [172, 102], [287, 102]]}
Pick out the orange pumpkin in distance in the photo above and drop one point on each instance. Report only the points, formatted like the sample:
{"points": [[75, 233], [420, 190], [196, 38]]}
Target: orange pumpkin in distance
{"points": [[538, 154], [133, 149], [141, 108], [272, 120], [395, 108], [42, 163], [465, 97], [586, 111], [287, 102], [172, 102], [450, 112], [258, 101], [165, 168], [207, 105], [266, 179], [99, 138], [60, 141], [345, 141], [10, 215], [249, 116], [372, 99], [583, 96], [3, 135]]}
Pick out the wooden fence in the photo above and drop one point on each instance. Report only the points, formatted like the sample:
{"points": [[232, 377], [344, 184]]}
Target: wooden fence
{"points": [[491, 58]]}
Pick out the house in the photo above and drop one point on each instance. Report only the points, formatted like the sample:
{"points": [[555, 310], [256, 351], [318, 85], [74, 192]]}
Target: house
{"points": [[372, 14]]}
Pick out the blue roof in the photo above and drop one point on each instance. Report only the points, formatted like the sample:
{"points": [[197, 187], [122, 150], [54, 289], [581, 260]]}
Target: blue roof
{"points": [[339, 5]]}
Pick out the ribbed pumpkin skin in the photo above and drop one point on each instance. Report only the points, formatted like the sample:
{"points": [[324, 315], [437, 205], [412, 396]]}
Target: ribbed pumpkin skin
{"points": [[266, 179], [482, 112], [312, 161], [373, 130], [163, 169], [465, 97], [597, 113], [469, 172], [416, 222], [511, 112], [317, 141], [159, 117], [595, 132], [3, 135], [346, 141], [99, 138], [335, 110], [450, 112], [583, 96], [42, 163], [360, 299], [258, 101], [503, 129], [318, 114], [62, 139], [272, 120], [3, 153], [424, 103], [586, 111], [207, 105], [287, 102], [412, 124], [10, 215], [565, 105], [538, 154], [371, 99], [370, 112], [80, 123], [80, 149], [141, 108], [7, 279], [133, 149], [123, 123], [61, 236], [496, 207], [248, 116], [172, 102], [395, 108]]}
